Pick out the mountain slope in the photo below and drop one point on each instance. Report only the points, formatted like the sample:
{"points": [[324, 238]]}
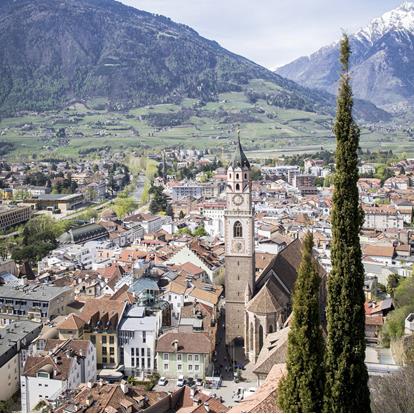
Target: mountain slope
{"points": [[57, 51], [382, 62]]}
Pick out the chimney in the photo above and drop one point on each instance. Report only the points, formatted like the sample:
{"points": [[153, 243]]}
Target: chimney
{"points": [[207, 406], [89, 384], [174, 344], [124, 387]]}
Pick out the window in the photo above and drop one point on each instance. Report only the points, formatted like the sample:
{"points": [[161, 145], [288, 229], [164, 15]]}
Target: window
{"points": [[237, 229], [112, 351], [166, 367], [132, 351], [196, 357], [148, 352], [237, 176], [166, 357], [111, 339], [245, 176], [144, 337], [197, 367], [179, 367], [237, 187], [190, 367], [142, 351], [179, 357], [112, 360], [104, 339], [190, 358], [104, 351], [104, 360]]}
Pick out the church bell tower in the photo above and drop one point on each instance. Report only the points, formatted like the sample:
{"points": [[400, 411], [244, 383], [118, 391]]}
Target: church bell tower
{"points": [[239, 244]]}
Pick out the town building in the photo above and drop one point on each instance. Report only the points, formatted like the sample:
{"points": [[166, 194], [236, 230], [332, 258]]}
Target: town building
{"points": [[60, 366], [183, 353], [14, 341], [137, 336], [12, 215], [38, 302]]}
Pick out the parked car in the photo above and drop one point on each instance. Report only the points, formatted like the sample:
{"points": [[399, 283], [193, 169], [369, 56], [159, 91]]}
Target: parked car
{"points": [[249, 392], [162, 381], [199, 382], [190, 381], [181, 381]]}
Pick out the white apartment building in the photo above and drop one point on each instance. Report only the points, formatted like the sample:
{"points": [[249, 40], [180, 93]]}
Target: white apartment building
{"points": [[61, 366], [214, 213], [382, 218], [138, 332]]}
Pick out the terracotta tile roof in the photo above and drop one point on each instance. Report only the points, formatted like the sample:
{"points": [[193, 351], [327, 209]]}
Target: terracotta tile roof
{"points": [[106, 398], [175, 287], [212, 297], [114, 271], [191, 268], [374, 320], [57, 363], [264, 399], [72, 322], [103, 308], [379, 251], [123, 295], [187, 342], [188, 406]]}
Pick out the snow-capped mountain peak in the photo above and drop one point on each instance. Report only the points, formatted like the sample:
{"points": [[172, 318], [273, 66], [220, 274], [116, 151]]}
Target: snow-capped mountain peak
{"points": [[401, 18]]}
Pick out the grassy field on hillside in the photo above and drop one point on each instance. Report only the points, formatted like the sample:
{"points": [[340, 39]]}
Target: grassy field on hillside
{"points": [[266, 131]]}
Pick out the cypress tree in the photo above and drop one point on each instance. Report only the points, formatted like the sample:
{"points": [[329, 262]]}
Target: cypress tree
{"points": [[302, 388], [346, 386]]}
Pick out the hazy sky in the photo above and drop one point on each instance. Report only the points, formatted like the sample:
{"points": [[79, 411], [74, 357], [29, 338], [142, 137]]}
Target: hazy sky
{"points": [[270, 32]]}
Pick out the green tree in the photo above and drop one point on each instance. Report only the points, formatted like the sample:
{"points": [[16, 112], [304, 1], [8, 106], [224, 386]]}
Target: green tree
{"points": [[346, 387], [124, 205], [302, 389], [200, 231]]}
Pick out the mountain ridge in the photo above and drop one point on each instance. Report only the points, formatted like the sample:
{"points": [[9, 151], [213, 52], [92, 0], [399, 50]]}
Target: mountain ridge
{"points": [[381, 62], [104, 50]]}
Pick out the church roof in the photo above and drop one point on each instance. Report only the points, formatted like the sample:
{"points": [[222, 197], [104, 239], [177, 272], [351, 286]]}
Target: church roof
{"points": [[239, 157], [264, 302], [274, 351], [285, 265]]}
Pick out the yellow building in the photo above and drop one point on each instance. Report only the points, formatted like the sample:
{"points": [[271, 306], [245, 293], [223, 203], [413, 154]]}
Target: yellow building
{"points": [[98, 322]]}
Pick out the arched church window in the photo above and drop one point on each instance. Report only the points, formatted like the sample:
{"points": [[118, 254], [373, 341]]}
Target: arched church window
{"points": [[237, 176], [245, 176], [237, 229], [237, 187]]}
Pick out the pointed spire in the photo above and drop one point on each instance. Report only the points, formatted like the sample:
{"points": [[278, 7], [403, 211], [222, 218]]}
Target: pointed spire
{"points": [[239, 157]]}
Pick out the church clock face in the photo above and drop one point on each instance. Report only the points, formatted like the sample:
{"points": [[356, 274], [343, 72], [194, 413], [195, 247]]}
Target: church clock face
{"points": [[237, 199], [238, 246]]}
